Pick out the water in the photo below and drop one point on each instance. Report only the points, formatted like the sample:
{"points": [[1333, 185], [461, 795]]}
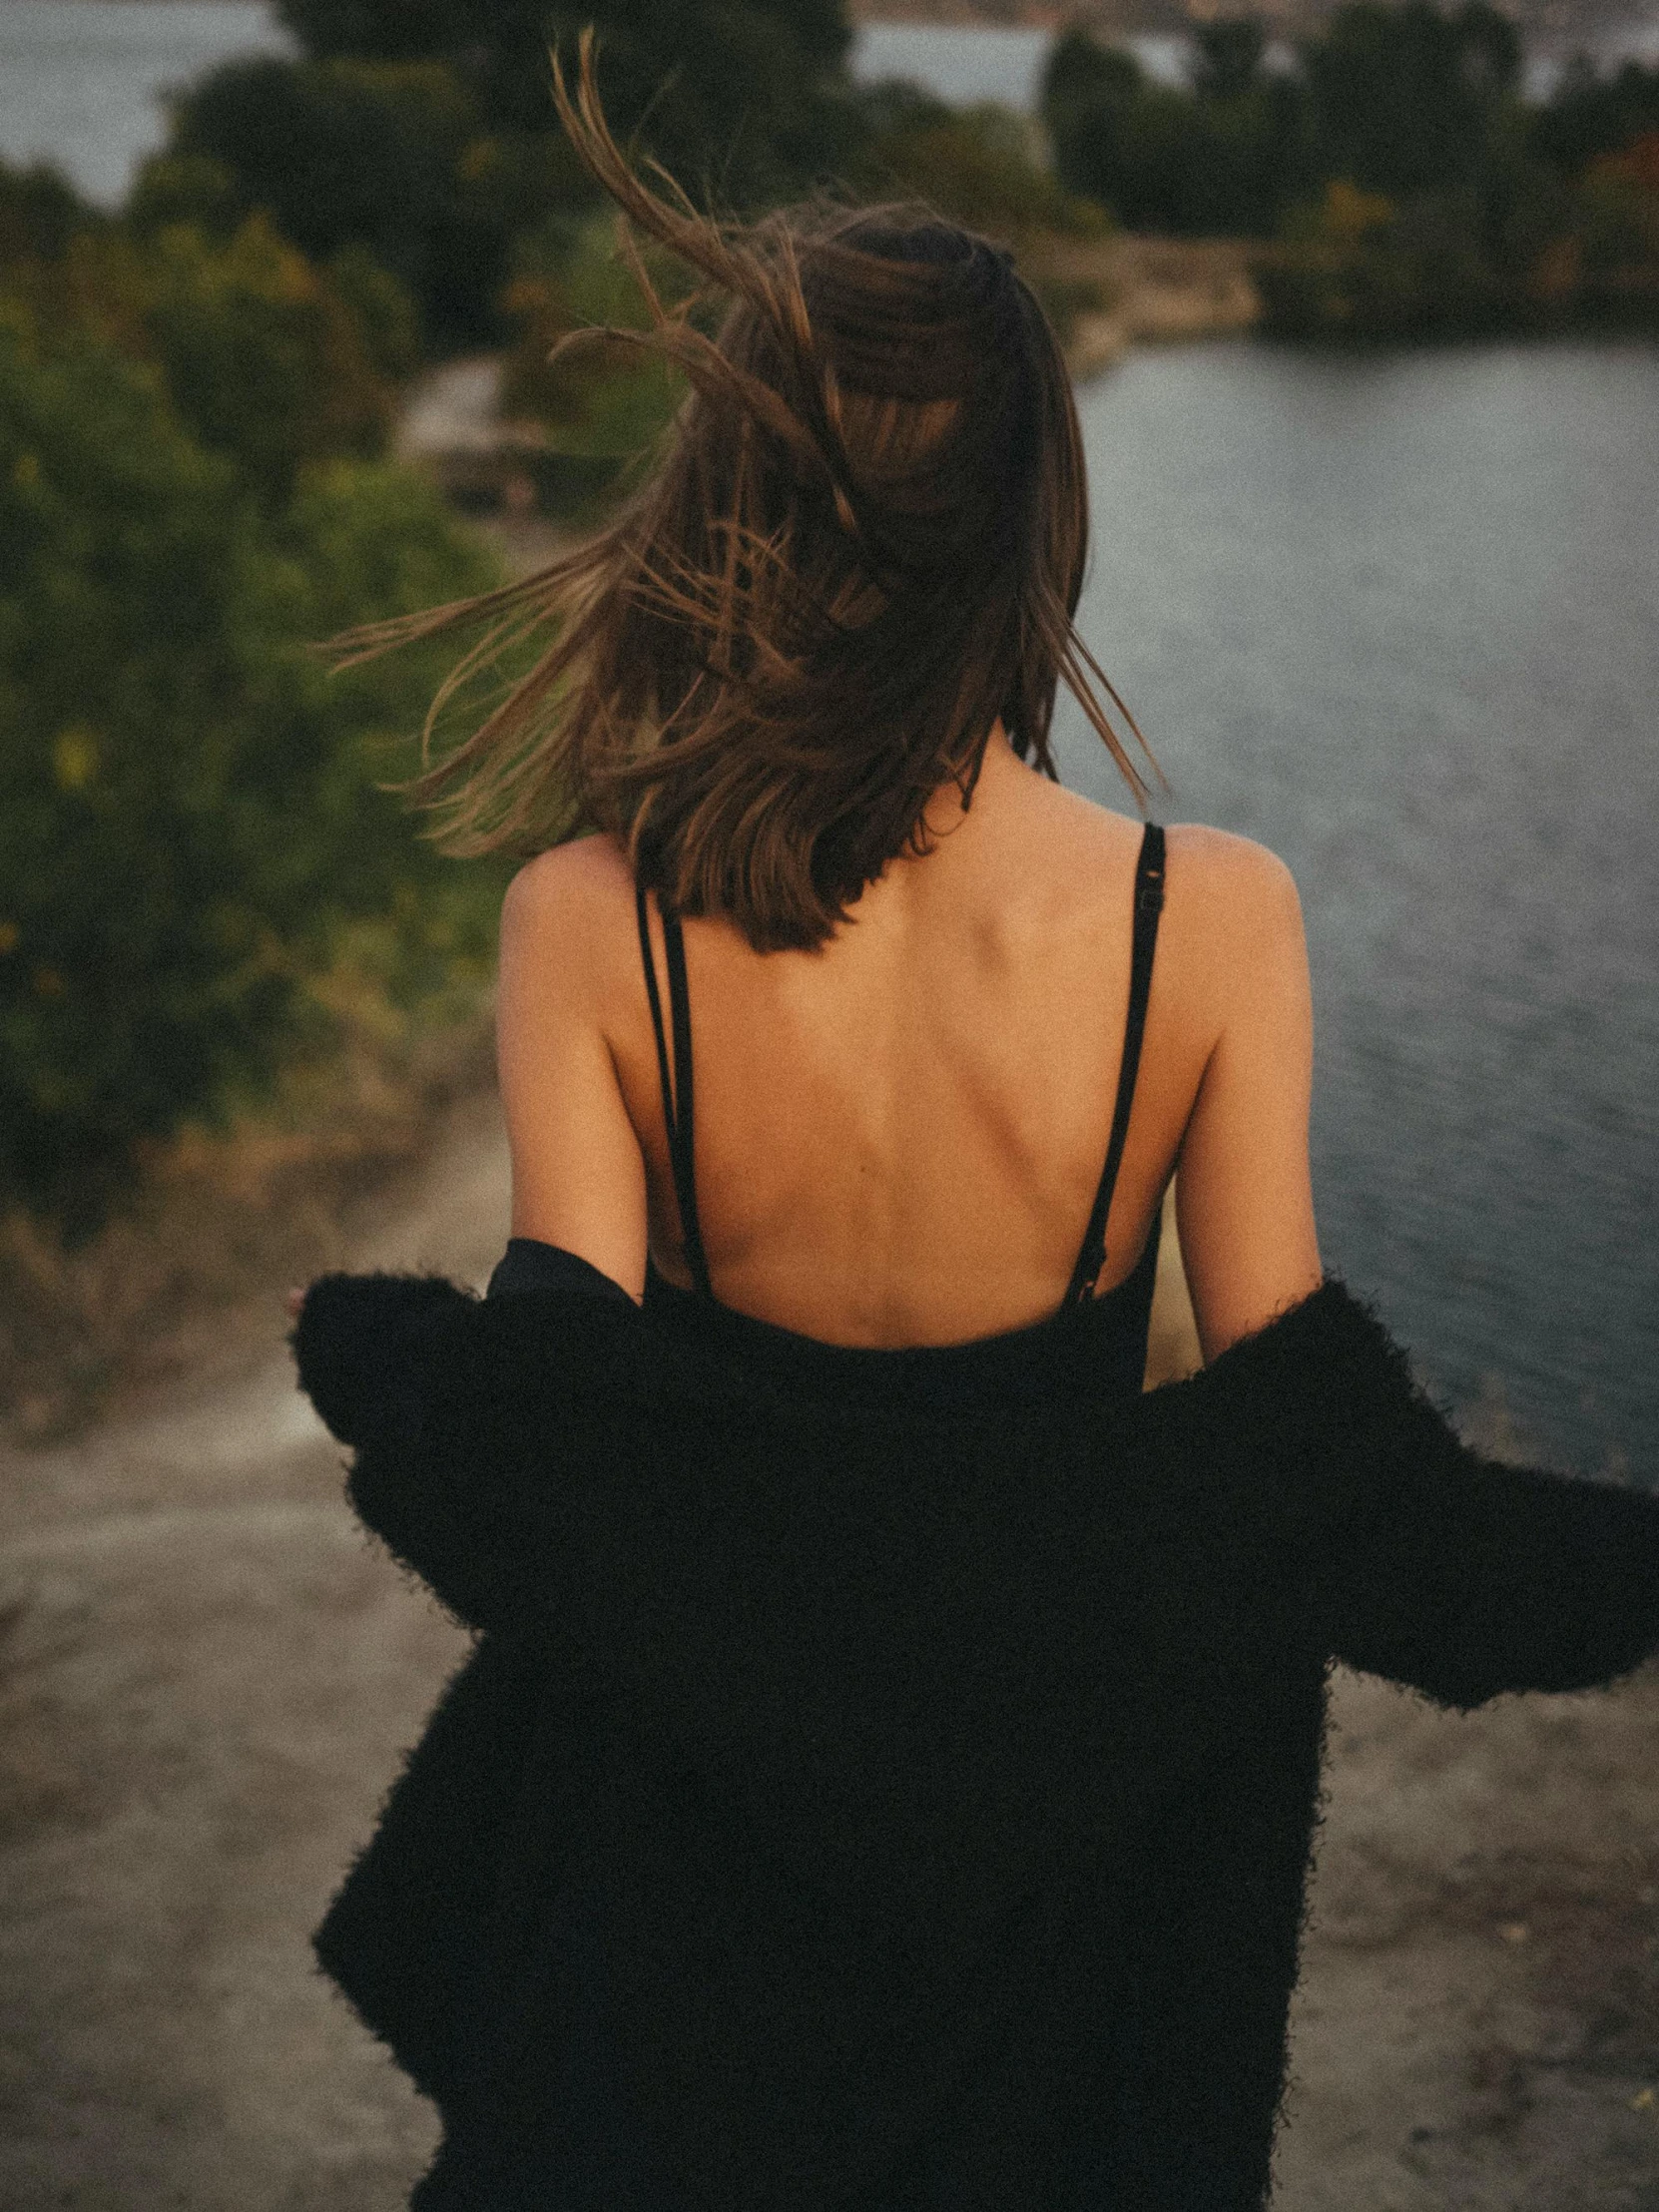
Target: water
{"points": [[81, 81], [963, 67], [1397, 618]]}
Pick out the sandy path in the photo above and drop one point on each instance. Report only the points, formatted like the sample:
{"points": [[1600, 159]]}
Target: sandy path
{"points": [[209, 1676]]}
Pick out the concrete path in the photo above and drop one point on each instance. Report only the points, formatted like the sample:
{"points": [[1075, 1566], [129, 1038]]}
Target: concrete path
{"points": [[208, 1679]]}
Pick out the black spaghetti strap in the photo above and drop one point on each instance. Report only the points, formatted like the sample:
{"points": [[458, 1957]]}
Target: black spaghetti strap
{"points": [[649, 962], [677, 1115], [1149, 905], [684, 1175]]}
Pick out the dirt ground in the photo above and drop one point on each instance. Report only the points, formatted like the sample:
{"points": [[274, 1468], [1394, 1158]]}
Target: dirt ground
{"points": [[208, 1677]]}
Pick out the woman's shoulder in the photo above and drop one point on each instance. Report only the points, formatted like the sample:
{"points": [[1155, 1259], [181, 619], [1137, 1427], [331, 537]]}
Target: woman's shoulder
{"points": [[569, 881], [569, 892], [568, 916], [1216, 881], [1227, 878], [1231, 945], [1231, 917]]}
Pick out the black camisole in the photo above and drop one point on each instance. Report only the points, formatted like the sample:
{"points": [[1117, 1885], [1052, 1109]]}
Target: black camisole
{"points": [[1090, 1346]]}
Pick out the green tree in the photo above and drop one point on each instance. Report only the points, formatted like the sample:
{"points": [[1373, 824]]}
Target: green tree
{"points": [[1226, 55], [1223, 159], [1588, 116], [748, 96], [189, 812], [393, 158], [1406, 100], [40, 211]]}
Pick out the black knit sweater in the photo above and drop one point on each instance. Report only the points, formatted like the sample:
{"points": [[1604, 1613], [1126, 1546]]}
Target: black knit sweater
{"points": [[905, 1781]]}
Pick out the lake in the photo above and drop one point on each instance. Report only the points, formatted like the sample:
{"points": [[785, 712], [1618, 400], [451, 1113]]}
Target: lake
{"points": [[1006, 64], [1398, 618], [81, 80]]}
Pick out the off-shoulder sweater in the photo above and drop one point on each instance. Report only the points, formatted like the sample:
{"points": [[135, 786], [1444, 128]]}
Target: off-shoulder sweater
{"points": [[915, 1771]]}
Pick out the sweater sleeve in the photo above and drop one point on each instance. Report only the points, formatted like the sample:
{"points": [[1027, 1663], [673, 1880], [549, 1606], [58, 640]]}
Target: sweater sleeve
{"points": [[477, 1429], [350, 1345], [1464, 1576]]}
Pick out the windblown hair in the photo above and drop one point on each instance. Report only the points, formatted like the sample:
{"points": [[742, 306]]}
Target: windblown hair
{"points": [[862, 545]]}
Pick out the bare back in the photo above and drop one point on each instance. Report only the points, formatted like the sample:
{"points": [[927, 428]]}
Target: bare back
{"points": [[899, 1136]]}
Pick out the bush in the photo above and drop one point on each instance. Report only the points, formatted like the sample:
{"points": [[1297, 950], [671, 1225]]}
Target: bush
{"points": [[192, 188], [1525, 252], [266, 358], [389, 320], [601, 406], [1360, 265], [188, 821], [981, 166]]}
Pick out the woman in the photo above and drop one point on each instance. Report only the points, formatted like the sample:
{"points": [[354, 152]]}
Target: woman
{"points": [[888, 1774]]}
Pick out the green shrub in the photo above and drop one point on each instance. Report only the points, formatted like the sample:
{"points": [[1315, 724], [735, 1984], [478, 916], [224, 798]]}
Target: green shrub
{"points": [[387, 313], [171, 188], [1525, 254], [981, 166], [190, 816], [266, 358], [1359, 266]]}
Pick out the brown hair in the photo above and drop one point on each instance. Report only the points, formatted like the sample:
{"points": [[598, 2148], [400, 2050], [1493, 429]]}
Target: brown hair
{"points": [[863, 543]]}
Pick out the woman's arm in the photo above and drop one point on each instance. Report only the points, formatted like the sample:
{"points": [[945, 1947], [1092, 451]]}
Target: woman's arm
{"points": [[1244, 1195], [578, 1174]]}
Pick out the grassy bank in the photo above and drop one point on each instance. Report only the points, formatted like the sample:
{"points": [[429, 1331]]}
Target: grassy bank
{"points": [[185, 1278]]}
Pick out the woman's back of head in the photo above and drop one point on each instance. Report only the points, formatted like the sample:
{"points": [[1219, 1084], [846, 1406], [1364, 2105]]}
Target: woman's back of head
{"points": [[861, 547]]}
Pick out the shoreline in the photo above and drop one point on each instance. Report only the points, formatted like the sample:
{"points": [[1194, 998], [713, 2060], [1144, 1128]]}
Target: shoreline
{"points": [[1163, 291]]}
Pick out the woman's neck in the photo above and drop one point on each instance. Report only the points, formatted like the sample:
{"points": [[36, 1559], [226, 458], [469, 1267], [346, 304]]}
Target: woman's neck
{"points": [[1001, 770]]}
